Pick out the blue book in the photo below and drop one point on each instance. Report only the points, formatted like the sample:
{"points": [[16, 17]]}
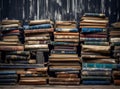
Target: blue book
{"points": [[96, 82], [42, 26], [98, 65], [66, 30], [91, 30], [6, 72]]}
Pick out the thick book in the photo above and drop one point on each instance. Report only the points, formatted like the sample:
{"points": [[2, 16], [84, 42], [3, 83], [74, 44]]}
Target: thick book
{"points": [[10, 22], [63, 83], [36, 38], [66, 30], [36, 46], [23, 53], [66, 37], [91, 30]]}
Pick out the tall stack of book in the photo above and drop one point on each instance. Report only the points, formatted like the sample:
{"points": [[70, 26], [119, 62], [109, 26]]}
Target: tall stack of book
{"points": [[95, 48], [11, 35], [115, 43], [8, 77], [38, 34], [64, 63]]}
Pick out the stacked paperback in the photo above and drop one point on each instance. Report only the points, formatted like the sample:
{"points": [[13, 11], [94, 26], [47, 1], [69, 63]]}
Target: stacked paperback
{"points": [[64, 63], [95, 48]]}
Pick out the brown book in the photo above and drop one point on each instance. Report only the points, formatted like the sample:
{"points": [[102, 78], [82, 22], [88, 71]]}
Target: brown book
{"points": [[3, 43], [66, 75], [95, 48], [116, 73], [66, 40], [93, 18], [63, 83], [67, 33], [36, 38], [116, 25], [38, 42], [77, 67], [37, 35], [37, 46], [11, 40], [92, 26], [39, 30], [4, 22], [10, 37], [64, 59], [11, 25], [11, 48], [64, 79], [35, 22], [63, 56], [32, 82], [65, 37]]}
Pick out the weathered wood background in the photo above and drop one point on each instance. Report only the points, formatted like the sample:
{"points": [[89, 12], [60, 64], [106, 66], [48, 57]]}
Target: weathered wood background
{"points": [[58, 9]]}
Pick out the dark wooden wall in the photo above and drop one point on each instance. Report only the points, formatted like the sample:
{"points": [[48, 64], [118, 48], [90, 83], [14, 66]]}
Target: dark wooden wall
{"points": [[58, 9]]}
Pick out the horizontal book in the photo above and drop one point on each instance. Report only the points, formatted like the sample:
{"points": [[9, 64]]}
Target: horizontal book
{"points": [[93, 39], [63, 56], [64, 79], [17, 61], [67, 59], [38, 42], [36, 38], [38, 30], [96, 43], [93, 35], [67, 40], [11, 48], [63, 83], [41, 26], [115, 39], [16, 57], [67, 33], [69, 72], [63, 52], [65, 37], [44, 21], [66, 30], [68, 48], [116, 25], [66, 75], [19, 66], [96, 77], [37, 46], [23, 53], [96, 72], [92, 30], [95, 48], [10, 22], [10, 26], [96, 82], [95, 15], [8, 80], [8, 76], [8, 43], [7, 72]]}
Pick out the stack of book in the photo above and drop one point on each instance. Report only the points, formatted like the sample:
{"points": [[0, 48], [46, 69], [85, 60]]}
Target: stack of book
{"points": [[95, 47], [115, 40], [64, 63], [8, 77], [35, 76], [115, 43], [38, 34]]}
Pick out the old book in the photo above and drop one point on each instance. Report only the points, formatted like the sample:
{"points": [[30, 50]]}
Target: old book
{"points": [[10, 37], [68, 48], [96, 73], [10, 22], [10, 26], [93, 39], [38, 42], [116, 25], [23, 53], [16, 57], [44, 21], [64, 79], [7, 76], [66, 30], [63, 83], [91, 30], [11, 48], [8, 43], [65, 37], [67, 33], [95, 48], [39, 26], [96, 43], [100, 15], [67, 75], [67, 59], [66, 40], [63, 52], [96, 77], [96, 82], [93, 35], [36, 38], [63, 56], [38, 31], [36, 46]]}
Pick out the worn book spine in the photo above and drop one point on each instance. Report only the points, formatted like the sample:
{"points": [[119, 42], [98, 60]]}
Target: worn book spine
{"points": [[66, 30], [95, 15], [66, 40], [64, 79], [7, 76], [62, 52], [96, 77], [65, 37], [96, 43], [36, 38], [63, 83], [37, 46], [23, 53], [90, 30], [16, 57]]}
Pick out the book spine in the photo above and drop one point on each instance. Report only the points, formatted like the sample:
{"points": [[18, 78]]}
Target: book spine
{"points": [[88, 30]]}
